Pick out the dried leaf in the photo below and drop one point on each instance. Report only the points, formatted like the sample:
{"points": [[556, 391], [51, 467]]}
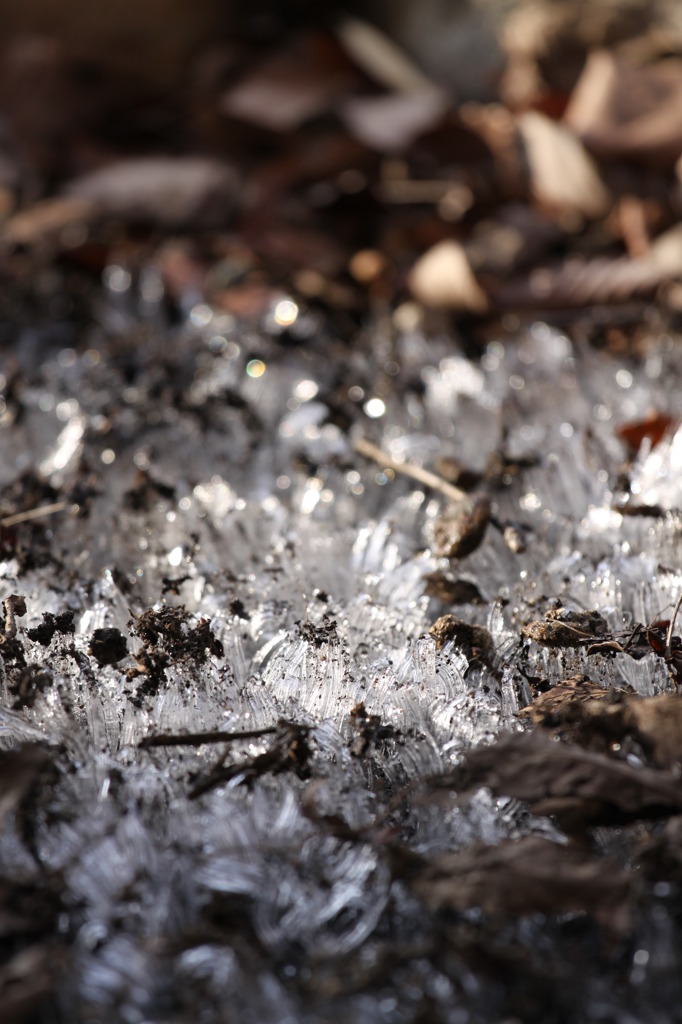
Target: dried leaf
{"points": [[460, 530], [476, 640], [578, 787], [380, 57], [296, 84], [389, 124], [46, 220], [577, 283], [562, 174], [452, 591], [19, 770], [586, 713], [581, 711], [526, 876], [665, 252], [26, 980], [661, 857], [165, 191], [550, 708], [518, 236], [443, 278], [657, 723], [653, 428], [562, 627], [626, 112]]}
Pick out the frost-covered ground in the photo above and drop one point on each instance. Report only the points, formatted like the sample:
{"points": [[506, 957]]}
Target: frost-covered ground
{"points": [[211, 469]]}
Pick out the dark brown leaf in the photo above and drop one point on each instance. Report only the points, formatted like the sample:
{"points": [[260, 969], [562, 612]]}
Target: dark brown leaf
{"points": [[551, 707], [657, 723], [661, 857], [653, 428], [25, 982], [19, 770], [579, 787], [526, 876]]}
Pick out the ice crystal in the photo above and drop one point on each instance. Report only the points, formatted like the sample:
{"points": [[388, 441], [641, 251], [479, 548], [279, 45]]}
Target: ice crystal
{"points": [[236, 499]]}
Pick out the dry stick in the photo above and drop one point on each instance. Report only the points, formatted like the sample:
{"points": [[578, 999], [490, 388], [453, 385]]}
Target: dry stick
{"points": [[422, 476], [669, 635], [197, 739], [33, 513]]}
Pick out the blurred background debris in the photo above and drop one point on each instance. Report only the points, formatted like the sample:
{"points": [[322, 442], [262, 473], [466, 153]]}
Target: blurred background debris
{"points": [[320, 322]]}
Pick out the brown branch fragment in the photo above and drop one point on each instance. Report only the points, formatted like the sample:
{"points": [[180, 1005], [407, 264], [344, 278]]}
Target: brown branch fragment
{"points": [[410, 469], [198, 739], [669, 635], [33, 513]]}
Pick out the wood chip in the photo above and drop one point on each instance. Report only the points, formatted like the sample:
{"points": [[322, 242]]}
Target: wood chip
{"points": [[443, 278], [563, 176]]}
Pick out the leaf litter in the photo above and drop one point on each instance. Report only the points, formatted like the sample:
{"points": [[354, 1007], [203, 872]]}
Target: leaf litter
{"points": [[305, 359]]}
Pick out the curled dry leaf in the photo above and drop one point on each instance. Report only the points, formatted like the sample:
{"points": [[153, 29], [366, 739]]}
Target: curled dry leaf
{"points": [[622, 111], [164, 191], [476, 640], [577, 283], [461, 529], [563, 175], [526, 876], [443, 278], [562, 627]]}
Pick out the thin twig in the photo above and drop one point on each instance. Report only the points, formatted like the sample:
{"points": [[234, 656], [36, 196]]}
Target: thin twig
{"points": [[418, 473], [197, 739], [33, 513], [669, 634]]}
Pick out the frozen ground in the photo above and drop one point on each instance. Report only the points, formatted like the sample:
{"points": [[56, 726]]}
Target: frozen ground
{"points": [[211, 469]]}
